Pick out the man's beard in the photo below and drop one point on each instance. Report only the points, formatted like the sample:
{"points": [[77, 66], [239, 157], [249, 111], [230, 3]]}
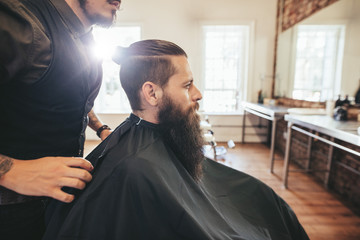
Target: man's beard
{"points": [[182, 131], [97, 18]]}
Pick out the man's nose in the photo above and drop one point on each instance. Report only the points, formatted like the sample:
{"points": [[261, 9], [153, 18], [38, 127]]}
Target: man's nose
{"points": [[196, 94]]}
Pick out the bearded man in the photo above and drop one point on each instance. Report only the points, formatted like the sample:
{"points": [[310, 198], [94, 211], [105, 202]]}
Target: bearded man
{"points": [[151, 180], [48, 84]]}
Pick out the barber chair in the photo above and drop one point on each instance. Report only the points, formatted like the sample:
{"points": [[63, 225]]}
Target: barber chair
{"points": [[209, 137]]}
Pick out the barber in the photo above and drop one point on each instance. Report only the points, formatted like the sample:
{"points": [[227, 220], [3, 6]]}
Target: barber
{"points": [[49, 80]]}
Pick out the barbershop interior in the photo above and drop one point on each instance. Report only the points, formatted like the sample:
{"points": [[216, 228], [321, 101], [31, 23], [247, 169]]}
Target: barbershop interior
{"points": [[280, 84]]}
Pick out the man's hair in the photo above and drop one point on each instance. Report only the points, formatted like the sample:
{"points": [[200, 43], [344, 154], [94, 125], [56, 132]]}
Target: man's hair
{"points": [[147, 60]]}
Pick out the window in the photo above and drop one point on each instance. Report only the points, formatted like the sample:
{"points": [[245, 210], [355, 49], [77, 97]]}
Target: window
{"points": [[318, 63], [226, 51], [112, 98]]}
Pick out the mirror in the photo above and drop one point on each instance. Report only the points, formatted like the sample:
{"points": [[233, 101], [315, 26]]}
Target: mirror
{"points": [[310, 58]]}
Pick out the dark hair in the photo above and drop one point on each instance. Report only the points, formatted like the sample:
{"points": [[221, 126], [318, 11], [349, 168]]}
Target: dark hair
{"points": [[143, 61]]}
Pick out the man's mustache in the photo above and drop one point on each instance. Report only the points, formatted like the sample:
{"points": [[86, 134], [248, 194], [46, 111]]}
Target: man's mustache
{"points": [[196, 106], [111, 1]]}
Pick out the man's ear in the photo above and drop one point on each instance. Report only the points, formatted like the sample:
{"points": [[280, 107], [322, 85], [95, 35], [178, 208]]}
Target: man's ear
{"points": [[152, 93]]}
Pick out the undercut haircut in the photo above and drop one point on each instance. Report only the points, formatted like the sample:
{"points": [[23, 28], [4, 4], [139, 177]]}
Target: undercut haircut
{"points": [[147, 60]]}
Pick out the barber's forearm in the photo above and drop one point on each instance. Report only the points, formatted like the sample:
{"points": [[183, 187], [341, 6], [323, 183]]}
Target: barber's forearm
{"points": [[95, 124], [5, 164]]}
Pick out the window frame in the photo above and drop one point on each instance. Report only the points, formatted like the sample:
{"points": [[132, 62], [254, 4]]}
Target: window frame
{"points": [[243, 86], [339, 58]]}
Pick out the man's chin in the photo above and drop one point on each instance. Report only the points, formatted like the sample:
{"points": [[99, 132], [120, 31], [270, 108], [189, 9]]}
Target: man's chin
{"points": [[105, 22]]}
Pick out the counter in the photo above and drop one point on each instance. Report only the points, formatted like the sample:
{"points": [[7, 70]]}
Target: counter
{"points": [[310, 125], [271, 113]]}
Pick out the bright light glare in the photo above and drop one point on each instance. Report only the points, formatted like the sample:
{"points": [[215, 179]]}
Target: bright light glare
{"points": [[103, 51], [107, 39], [111, 98]]}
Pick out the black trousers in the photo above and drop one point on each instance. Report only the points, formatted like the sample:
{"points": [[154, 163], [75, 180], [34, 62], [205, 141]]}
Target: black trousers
{"points": [[23, 221]]}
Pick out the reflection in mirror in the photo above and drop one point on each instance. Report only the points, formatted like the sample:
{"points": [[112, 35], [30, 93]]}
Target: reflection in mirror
{"points": [[319, 58]]}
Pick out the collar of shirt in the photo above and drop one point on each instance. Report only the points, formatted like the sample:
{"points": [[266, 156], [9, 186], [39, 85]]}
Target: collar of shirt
{"points": [[69, 17]]}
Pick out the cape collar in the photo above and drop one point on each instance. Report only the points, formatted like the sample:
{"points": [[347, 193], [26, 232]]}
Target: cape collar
{"points": [[141, 122]]}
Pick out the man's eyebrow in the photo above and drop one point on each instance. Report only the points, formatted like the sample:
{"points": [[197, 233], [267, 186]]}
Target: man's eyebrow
{"points": [[188, 82]]}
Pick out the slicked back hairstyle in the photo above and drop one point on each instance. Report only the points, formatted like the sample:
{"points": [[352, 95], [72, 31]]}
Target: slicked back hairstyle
{"points": [[147, 60]]}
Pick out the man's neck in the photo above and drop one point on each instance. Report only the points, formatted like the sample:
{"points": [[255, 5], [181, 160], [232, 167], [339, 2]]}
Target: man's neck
{"points": [[79, 12], [147, 115]]}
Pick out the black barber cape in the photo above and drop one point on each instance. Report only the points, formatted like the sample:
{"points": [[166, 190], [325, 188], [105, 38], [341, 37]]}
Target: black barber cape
{"points": [[140, 190]]}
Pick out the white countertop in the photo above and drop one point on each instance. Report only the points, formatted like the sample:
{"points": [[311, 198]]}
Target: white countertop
{"points": [[344, 130]]}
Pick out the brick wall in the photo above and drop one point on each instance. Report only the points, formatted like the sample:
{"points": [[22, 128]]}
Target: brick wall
{"points": [[290, 102], [343, 181], [293, 11]]}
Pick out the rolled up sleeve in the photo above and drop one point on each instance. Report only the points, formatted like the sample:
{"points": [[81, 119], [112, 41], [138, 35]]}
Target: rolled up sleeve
{"points": [[15, 41], [24, 46]]}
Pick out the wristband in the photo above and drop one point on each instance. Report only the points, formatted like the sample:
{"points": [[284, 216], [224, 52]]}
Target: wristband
{"points": [[102, 128]]}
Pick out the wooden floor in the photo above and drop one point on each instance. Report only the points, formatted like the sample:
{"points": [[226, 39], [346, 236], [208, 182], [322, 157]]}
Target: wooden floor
{"points": [[322, 215]]}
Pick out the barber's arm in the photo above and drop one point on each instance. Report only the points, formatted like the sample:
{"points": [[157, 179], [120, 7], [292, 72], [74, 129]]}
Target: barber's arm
{"points": [[22, 44], [101, 129], [45, 176], [13, 44]]}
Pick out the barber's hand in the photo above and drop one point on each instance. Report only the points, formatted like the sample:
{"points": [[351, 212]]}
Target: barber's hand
{"points": [[46, 176], [105, 133]]}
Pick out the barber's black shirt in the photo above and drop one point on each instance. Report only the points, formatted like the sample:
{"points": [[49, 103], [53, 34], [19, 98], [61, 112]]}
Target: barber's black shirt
{"points": [[49, 79]]}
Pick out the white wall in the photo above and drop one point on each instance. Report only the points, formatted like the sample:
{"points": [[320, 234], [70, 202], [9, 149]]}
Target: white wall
{"points": [[351, 65], [179, 22]]}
